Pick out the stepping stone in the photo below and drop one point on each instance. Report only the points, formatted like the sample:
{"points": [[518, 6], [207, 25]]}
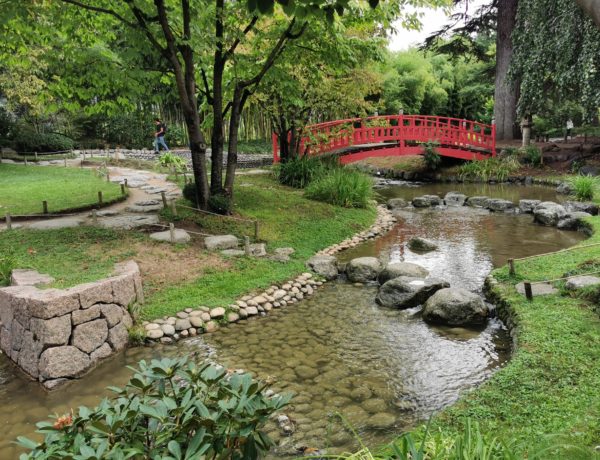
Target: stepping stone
{"points": [[213, 243], [145, 206], [181, 236], [63, 222], [233, 252], [537, 289], [107, 213], [128, 221], [579, 282], [21, 277]]}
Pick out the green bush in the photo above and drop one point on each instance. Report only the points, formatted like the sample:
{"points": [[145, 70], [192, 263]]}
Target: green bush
{"points": [[532, 155], [342, 187], [171, 161], [220, 204], [431, 156], [298, 172], [492, 168], [255, 146], [189, 192], [28, 141], [584, 187], [170, 409], [8, 263]]}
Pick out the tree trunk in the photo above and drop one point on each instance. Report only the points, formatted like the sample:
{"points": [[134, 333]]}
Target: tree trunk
{"points": [[506, 95], [234, 124], [216, 172], [592, 8]]}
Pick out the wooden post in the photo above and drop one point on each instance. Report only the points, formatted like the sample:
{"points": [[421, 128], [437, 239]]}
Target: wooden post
{"points": [[173, 208], [256, 229], [8, 222], [247, 246], [35, 155], [94, 216], [172, 232], [164, 199], [511, 267], [528, 292], [45, 206], [100, 198], [107, 176], [25, 161], [125, 182], [65, 162], [122, 189]]}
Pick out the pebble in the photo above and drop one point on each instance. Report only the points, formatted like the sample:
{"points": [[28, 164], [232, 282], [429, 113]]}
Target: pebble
{"points": [[211, 326], [218, 312]]}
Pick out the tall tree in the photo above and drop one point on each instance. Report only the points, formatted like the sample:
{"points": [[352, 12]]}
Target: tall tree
{"points": [[592, 8]]}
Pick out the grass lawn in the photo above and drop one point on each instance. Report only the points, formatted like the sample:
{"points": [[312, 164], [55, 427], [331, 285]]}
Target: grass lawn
{"points": [[176, 277], [23, 188]]}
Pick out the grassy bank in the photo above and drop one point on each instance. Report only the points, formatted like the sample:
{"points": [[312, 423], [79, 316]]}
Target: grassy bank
{"points": [[176, 277], [23, 188]]}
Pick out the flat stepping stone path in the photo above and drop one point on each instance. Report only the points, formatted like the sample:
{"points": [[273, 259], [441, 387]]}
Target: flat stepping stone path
{"points": [[580, 282], [20, 277], [145, 206], [217, 242], [61, 222], [128, 221], [233, 252], [537, 289], [179, 236]]}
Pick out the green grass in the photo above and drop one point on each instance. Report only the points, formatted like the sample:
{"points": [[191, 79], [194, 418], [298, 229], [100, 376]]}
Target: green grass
{"points": [[551, 385], [23, 188], [342, 187], [584, 187]]}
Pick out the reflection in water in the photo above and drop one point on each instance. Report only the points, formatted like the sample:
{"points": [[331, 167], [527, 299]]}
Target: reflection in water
{"points": [[382, 369]]}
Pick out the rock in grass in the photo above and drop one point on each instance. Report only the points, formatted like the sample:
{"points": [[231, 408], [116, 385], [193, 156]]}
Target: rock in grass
{"points": [[421, 244], [214, 243], [573, 221], [583, 281], [179, 236], [455, 307]]}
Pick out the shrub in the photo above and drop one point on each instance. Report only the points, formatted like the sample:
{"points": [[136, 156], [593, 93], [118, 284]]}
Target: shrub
{"points": [[171, 161], [8, 263], [431, 156], [189, 192], [298, 172], [220, 204], [584, 187], [255, 146], [171, 409], [491, 168], [28, 141], [342, 187], [532, 155]]}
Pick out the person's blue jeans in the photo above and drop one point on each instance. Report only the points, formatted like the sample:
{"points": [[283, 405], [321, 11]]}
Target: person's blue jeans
{"points": [[158, 141]]}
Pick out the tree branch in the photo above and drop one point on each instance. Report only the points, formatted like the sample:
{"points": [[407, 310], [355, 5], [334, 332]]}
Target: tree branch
{"points": [[98, 9], [237, 41], [206, 91]]}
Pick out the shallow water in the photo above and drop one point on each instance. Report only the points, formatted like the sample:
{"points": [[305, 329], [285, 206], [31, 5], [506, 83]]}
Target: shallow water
{"points": [[338, 351]]}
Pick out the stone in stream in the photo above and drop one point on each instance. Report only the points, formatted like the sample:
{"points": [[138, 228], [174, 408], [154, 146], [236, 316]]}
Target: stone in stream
{"points": [[426, 201], [549, 213], [66, 361], [573, 221], [214, 243], [564, 188], [363, 269], [527, 206], [20, 277], [477, 201], [577, 206], [579, 282], [455, 199], [381, 421], [179, 236], [421, 244], [407, 292], [499, 205], [396, 269], [455, 307], [397, 203], [325, 266]]}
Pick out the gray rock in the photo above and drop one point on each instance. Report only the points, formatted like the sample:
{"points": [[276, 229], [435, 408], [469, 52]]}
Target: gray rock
{"points": [[455, 307], [396, 269], [168, 329], [251, 311], [85, 315], [93, 293], [426, 201], [498, 205], [182, 324], [382, 420], [407, 292], [144, 208], [196, 321], [455, 199], [397, 203], [214, 243], [89, 336], [218, 312], [52, 332], [233, 252], [579, 282], [577, 206], [31, 348], [101, 353], [61, 222], [118, 337], [537, 289], [363, 269], [325, 266], [155, 334], [478, 201], [549, 213], [421, 244], [527, 206], [572, 221], [258, 250], [113, 313], [63, 362], [20, 277], [53, 384], [232, 317], [564, 188], [285, 252], [46, 303], [128, 221], [180, 236]]}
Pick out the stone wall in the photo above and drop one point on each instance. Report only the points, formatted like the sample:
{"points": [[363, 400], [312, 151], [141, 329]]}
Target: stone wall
{"points": [[55, 335]]}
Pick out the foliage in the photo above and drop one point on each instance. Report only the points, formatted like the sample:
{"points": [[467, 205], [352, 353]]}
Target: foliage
{"points": [[490, 169], [171, 161], [170, 409], [255, 146], [342, 187], [431, 156], [584, 187], [189, 193], [29, 141], [532, 155], [8, 262], [300, 171], [220, 204], [23, 188]]}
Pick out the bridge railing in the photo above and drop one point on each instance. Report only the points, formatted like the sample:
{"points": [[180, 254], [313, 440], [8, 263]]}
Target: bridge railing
{"points": [[403, 130]]}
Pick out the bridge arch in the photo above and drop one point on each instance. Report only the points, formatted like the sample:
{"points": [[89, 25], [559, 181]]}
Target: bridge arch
{"points": [[396, 135]]}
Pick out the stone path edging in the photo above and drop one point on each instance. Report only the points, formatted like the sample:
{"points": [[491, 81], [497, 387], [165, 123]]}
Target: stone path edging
{"points": [[191, 322]]}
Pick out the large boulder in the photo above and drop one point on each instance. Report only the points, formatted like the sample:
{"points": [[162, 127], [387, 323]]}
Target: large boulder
{"points": [[214, 243], [407, 292], [499, 205], [397, 203], [419, 244], [583, 281], [363, 269], [549, 213], [455, 199], [573, 221], [455, 307], [527, 206], [426, 201], [478, 201], [325, 266], [578, 206], [396, 269]]}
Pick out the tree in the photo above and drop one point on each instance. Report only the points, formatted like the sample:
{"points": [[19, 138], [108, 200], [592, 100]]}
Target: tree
{"points": [[592, 8]]}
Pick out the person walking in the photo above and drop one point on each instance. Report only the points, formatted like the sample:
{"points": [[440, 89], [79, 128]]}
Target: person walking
{"points": [[570, 127], [159, 136]]}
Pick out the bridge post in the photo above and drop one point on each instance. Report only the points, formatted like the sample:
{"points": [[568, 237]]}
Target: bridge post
{"points": [[275, 140]]}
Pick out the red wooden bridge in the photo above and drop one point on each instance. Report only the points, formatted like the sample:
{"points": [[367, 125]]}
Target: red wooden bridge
{"points": [[395, 135]]}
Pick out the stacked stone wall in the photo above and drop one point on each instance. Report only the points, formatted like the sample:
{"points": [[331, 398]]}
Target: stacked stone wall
{"points": [[55, 335]]}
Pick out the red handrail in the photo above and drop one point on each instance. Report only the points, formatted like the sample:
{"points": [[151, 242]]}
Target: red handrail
{"points": [[456, 137]]}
